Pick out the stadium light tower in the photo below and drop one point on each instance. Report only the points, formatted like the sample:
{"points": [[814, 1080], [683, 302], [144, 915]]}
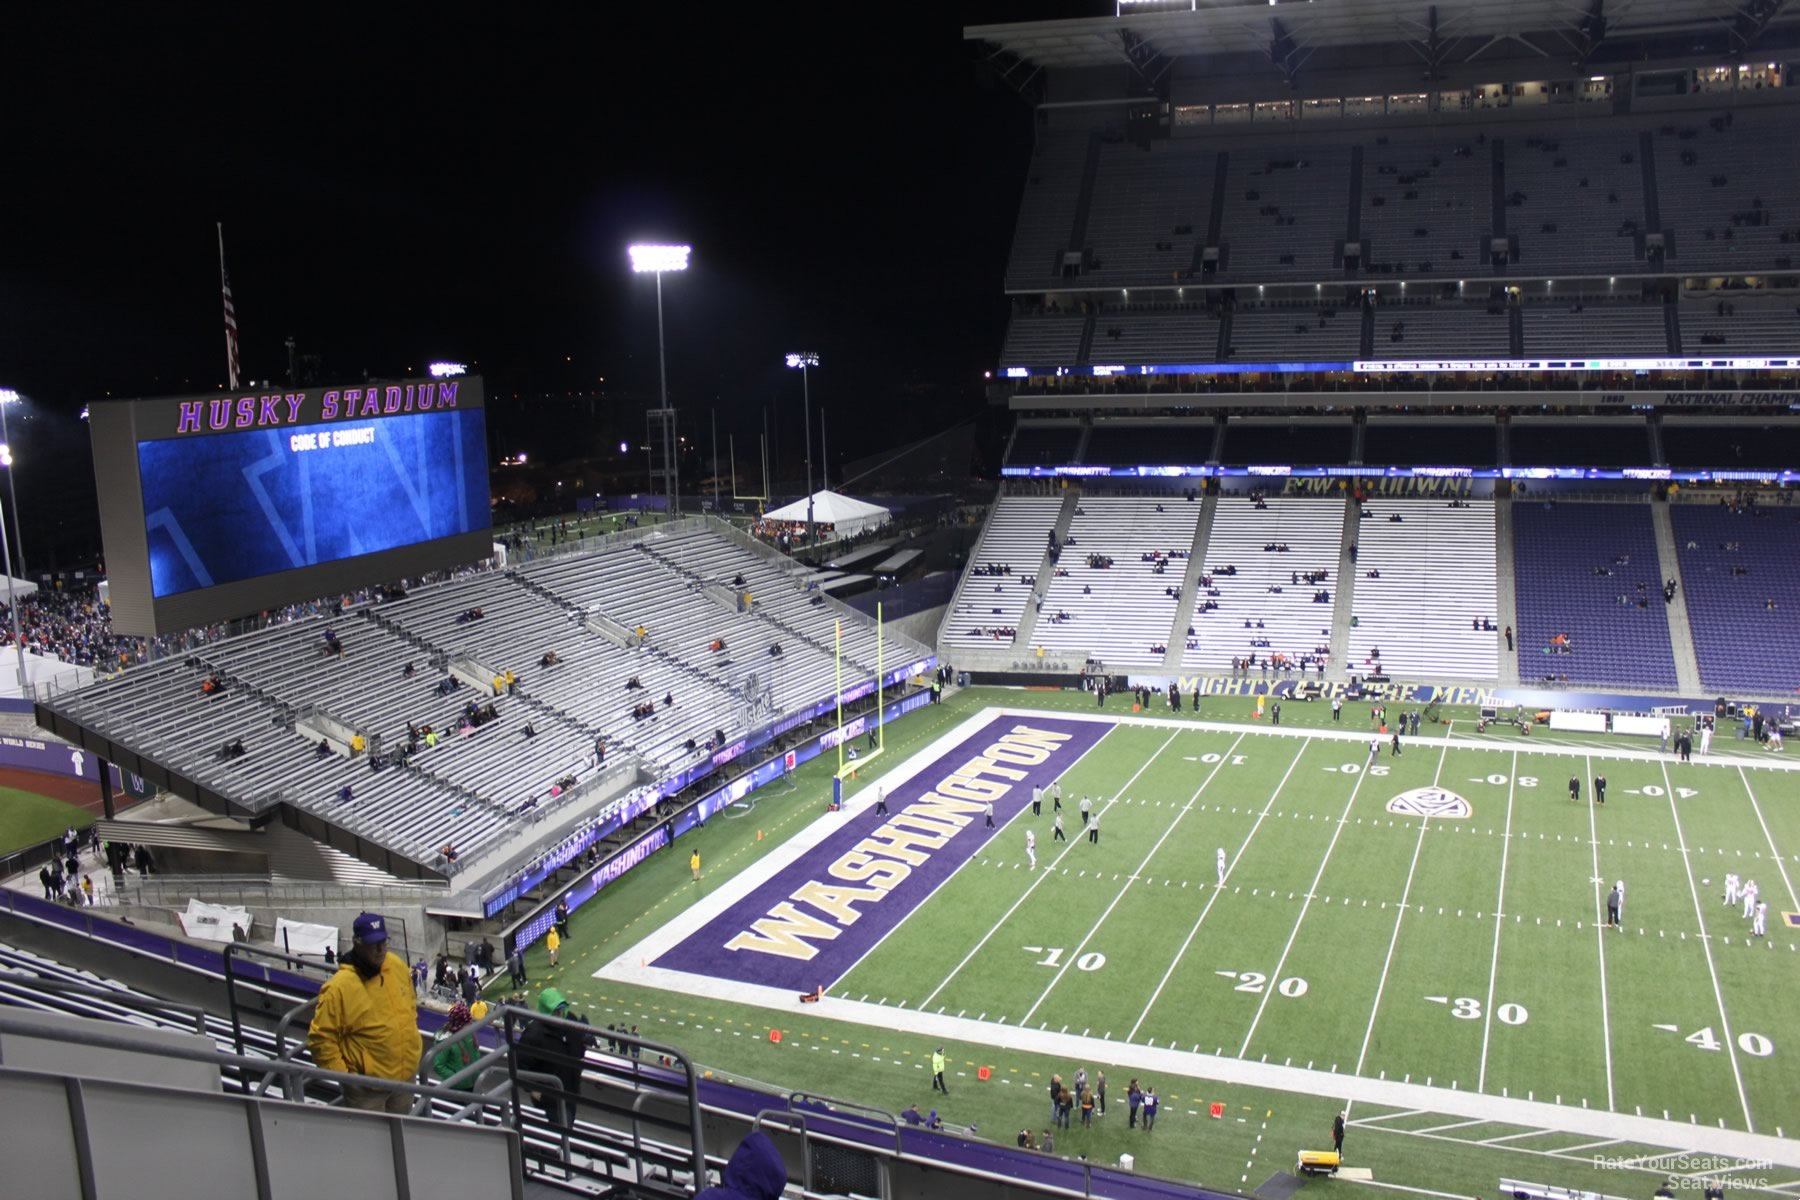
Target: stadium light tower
{"points": [[656, 260], [806, 359], [12, 602], [8, 398]]}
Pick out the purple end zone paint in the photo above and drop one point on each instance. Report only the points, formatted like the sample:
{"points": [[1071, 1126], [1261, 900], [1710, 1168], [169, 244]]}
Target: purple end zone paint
{"points": [[792, 931]]}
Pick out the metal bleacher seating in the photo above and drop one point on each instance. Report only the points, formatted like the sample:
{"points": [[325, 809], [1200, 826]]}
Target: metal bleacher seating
{"points": [[1285, 211], [1726, 198], [1582, 329], [1296, 333], [481, 785], [1119, 614], [1750, 325], [994, 592], [1047, 210], [1293, 624], [1425, 207], [1144, 194], [1420, 582], [1454, 331], [1574, 201], [1155, 335], [1741, 642], [1558, 554], [1043, 339]]}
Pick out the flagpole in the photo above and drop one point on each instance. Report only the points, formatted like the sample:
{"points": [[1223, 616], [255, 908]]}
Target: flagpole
{"points": [[231, 355]]}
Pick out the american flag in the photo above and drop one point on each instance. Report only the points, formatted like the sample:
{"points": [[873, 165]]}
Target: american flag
{"points": [[231, 332]]}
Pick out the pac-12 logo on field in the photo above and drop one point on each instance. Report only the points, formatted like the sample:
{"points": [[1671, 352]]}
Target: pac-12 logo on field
{"points": [[1430, 802]]}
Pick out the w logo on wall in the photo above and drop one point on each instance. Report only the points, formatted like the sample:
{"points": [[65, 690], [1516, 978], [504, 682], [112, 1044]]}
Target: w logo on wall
{"points": [[1430, 802]]}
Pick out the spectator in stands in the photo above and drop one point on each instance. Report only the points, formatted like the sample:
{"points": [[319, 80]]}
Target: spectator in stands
{"points": [[332, 645], [408, 671], [367, 1020], [449, 1054], [550, 659], [553, 1048], [756, 1172]]}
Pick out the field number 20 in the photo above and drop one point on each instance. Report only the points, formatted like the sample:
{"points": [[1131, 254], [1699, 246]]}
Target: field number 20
{"points": [[1293, 987]]}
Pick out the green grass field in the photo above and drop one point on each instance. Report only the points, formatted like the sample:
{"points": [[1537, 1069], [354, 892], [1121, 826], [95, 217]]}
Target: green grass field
{"points": [[1464, 953], [27, 818]]}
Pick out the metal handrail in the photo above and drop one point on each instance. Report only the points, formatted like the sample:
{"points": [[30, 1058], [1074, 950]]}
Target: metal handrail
{"points": [[63, 987]]}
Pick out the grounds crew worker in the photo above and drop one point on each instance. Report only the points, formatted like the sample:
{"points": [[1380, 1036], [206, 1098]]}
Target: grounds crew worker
{"points": [[367, 1020], [937, 1072]]}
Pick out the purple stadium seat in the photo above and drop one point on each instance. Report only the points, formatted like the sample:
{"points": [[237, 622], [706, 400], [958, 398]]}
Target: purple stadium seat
{"points": [[1556, 551], [1742, 644]]}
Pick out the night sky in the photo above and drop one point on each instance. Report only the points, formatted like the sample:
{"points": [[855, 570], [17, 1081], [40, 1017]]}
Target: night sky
{"points": [[465, 187]]}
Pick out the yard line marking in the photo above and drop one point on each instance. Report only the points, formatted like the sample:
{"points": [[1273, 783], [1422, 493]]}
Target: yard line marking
{"points": [[1417, 1191], [1456, 1125], [1343, 820], [1487, 1021], [1687, 863], [1765, 828], [1588, 1146], [1088, 936], [1495, 1141], [1042, 875], [1230, 867], [1600, 931], [1399, 917], [1366, 1122]]}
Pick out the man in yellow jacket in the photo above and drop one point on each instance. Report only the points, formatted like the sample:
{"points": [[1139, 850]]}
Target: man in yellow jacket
{"points": [[367, 1020]]}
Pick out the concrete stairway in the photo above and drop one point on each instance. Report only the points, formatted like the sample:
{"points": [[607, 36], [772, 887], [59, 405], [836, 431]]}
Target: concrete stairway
{"points": [[1190, 586], [1681, 633], [1343, 597], [1506, 590], [1046, 569]]}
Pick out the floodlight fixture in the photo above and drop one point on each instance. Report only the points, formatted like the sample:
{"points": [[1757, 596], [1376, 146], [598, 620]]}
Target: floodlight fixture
{"points": [[651, 259], [9, 396], [803, 360], [447, 370]]}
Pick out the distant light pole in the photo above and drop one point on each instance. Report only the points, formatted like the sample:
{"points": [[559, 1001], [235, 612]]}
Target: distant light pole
{"points": [[655, 260], [804, 360], [8, 398]]}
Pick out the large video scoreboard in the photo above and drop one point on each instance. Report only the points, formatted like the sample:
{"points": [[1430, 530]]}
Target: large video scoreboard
{"points": [[220, 506]]}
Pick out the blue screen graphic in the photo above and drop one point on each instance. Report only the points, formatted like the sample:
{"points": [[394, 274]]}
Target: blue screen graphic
{"points": [[231, 506]]}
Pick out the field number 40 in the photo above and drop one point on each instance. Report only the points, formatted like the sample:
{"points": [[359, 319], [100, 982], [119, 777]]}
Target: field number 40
{"points": [[1753, 1044]]}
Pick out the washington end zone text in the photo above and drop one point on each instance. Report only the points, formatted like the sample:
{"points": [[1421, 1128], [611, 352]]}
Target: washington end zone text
{"points": [[885, 858], [813, 919]]}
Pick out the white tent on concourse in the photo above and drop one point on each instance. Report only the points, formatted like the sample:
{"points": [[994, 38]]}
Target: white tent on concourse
{"points": [[829, 508]]}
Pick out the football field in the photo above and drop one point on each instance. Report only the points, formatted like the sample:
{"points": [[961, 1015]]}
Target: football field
{"points": [[1383, 923]]}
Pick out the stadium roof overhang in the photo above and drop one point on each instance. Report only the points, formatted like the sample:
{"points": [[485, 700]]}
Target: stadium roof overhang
{"points": [[1565, 29]]}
